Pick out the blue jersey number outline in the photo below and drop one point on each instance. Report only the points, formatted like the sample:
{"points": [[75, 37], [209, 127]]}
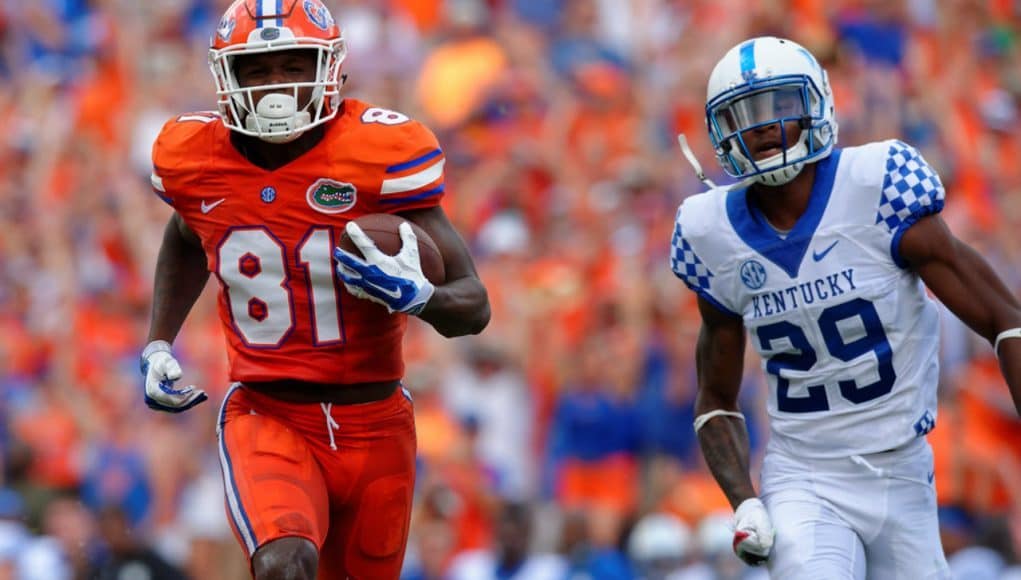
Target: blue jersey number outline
{"points": [[874, 340]]}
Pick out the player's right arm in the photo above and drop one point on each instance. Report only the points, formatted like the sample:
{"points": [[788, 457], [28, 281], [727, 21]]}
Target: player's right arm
{"points": [[719, 354], [723, 438], [721, 430], [178, 156], [719, 359], [181, 274]]}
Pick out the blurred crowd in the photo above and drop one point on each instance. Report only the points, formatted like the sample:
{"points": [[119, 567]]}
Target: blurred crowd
{"points": [[560, 440]]}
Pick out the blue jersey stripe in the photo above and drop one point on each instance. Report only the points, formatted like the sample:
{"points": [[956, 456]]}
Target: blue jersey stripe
{"points": [[747, 57], [416, 161], [416, 197]]}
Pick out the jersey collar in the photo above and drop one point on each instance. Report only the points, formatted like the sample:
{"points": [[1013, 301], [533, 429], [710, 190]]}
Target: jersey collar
{"points": [[788, 252]]}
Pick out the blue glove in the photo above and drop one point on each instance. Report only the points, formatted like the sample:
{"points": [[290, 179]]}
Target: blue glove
{"points": [[161, 370], [396, 282]]}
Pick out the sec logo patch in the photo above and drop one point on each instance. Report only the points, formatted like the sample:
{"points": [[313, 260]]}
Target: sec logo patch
{"points": [[753, 274]]}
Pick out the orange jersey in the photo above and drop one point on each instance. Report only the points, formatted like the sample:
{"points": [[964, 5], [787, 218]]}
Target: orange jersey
{"points": [[269, 238]]}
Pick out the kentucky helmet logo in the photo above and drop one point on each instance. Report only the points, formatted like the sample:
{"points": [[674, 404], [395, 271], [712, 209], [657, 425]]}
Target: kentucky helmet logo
{"points": [[329, 196], [753, 274], [318, 14]]}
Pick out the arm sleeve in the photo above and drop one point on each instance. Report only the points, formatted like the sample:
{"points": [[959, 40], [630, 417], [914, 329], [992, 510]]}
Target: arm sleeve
{"points": [[911, 190]]}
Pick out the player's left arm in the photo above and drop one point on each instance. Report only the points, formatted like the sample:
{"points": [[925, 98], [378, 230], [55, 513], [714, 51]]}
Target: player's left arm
{"points": [[969, 287], [460, 305]]}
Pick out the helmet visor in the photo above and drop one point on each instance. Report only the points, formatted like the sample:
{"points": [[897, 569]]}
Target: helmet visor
{"points": [[762, 108]]}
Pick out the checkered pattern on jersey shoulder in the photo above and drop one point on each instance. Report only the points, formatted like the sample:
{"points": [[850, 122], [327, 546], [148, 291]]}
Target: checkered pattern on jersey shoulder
{"points": [[911, 189], [685, 264]]}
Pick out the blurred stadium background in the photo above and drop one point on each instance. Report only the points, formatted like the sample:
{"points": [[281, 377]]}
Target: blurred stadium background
{"points": [[572, 412]]}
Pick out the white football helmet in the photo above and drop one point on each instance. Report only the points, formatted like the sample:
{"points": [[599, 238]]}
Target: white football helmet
{"points": [[263, 26], [761, 82]]}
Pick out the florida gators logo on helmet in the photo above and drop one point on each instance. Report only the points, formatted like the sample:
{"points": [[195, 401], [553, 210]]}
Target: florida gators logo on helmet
{"points": [[318, 14], [226, 28]]}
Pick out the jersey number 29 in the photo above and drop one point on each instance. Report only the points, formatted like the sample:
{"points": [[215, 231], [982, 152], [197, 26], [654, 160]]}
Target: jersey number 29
{"points": [[830, 321]]}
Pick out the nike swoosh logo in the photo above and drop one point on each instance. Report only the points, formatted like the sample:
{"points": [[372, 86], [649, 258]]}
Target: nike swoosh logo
{"points": [[817, 256], [932, 475], [395, 294], [208, 207]]}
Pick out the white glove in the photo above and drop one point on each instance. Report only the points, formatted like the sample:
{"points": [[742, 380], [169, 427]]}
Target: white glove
{"points": [[161, 370], [396, 282], [753, 532]]}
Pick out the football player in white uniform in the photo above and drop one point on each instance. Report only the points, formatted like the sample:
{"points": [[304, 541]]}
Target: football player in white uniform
{"points": [[820, 254]]}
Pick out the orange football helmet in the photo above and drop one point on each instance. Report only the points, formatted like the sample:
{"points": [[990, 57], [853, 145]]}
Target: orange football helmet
{"points": [[263, 26]]}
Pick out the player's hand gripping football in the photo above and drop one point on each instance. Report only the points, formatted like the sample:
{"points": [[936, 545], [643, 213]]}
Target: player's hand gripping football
{"points": [[396, 282], [753, 532], [161, 370]]}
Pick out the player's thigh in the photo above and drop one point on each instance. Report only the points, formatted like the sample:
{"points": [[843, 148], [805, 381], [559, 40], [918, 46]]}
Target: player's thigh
{"points": [[811, 541], [370, 542], [908, 544], [369, 531], [273, 484]]}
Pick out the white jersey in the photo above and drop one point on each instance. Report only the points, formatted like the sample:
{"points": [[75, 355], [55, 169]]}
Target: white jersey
{"points": [[847, 335]]}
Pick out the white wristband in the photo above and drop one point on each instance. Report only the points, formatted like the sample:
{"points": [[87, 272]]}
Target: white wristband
{"points": [[1009, 333], [155, 346], [704, 418]]}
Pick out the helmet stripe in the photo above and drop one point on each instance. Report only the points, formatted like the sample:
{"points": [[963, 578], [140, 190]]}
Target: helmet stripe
{"points": [[268, 9], [811, 59], [747, 58], [280, 13]]}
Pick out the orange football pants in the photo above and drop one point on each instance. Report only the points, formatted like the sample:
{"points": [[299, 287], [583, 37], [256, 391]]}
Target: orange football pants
{"points": [[349, 494]]}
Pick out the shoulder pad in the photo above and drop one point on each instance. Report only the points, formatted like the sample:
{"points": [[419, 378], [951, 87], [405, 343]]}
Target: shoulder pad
{"points": [[409, 157], [690, 223], [180, 150]]}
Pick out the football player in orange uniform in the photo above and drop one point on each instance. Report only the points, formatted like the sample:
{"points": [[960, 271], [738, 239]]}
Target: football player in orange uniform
{"points": [[316, 434]]}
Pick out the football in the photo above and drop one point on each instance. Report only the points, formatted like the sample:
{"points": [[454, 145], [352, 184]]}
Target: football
{"points": [[382, 228]]}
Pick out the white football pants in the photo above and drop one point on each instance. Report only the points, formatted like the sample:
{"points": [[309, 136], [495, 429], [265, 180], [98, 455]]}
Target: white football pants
{"points": [[863, 517]]}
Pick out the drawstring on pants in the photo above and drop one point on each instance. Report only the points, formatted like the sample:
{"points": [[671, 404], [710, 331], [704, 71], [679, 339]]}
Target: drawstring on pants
{"points": [[858, 459], [887, 473], [331, 424]]}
